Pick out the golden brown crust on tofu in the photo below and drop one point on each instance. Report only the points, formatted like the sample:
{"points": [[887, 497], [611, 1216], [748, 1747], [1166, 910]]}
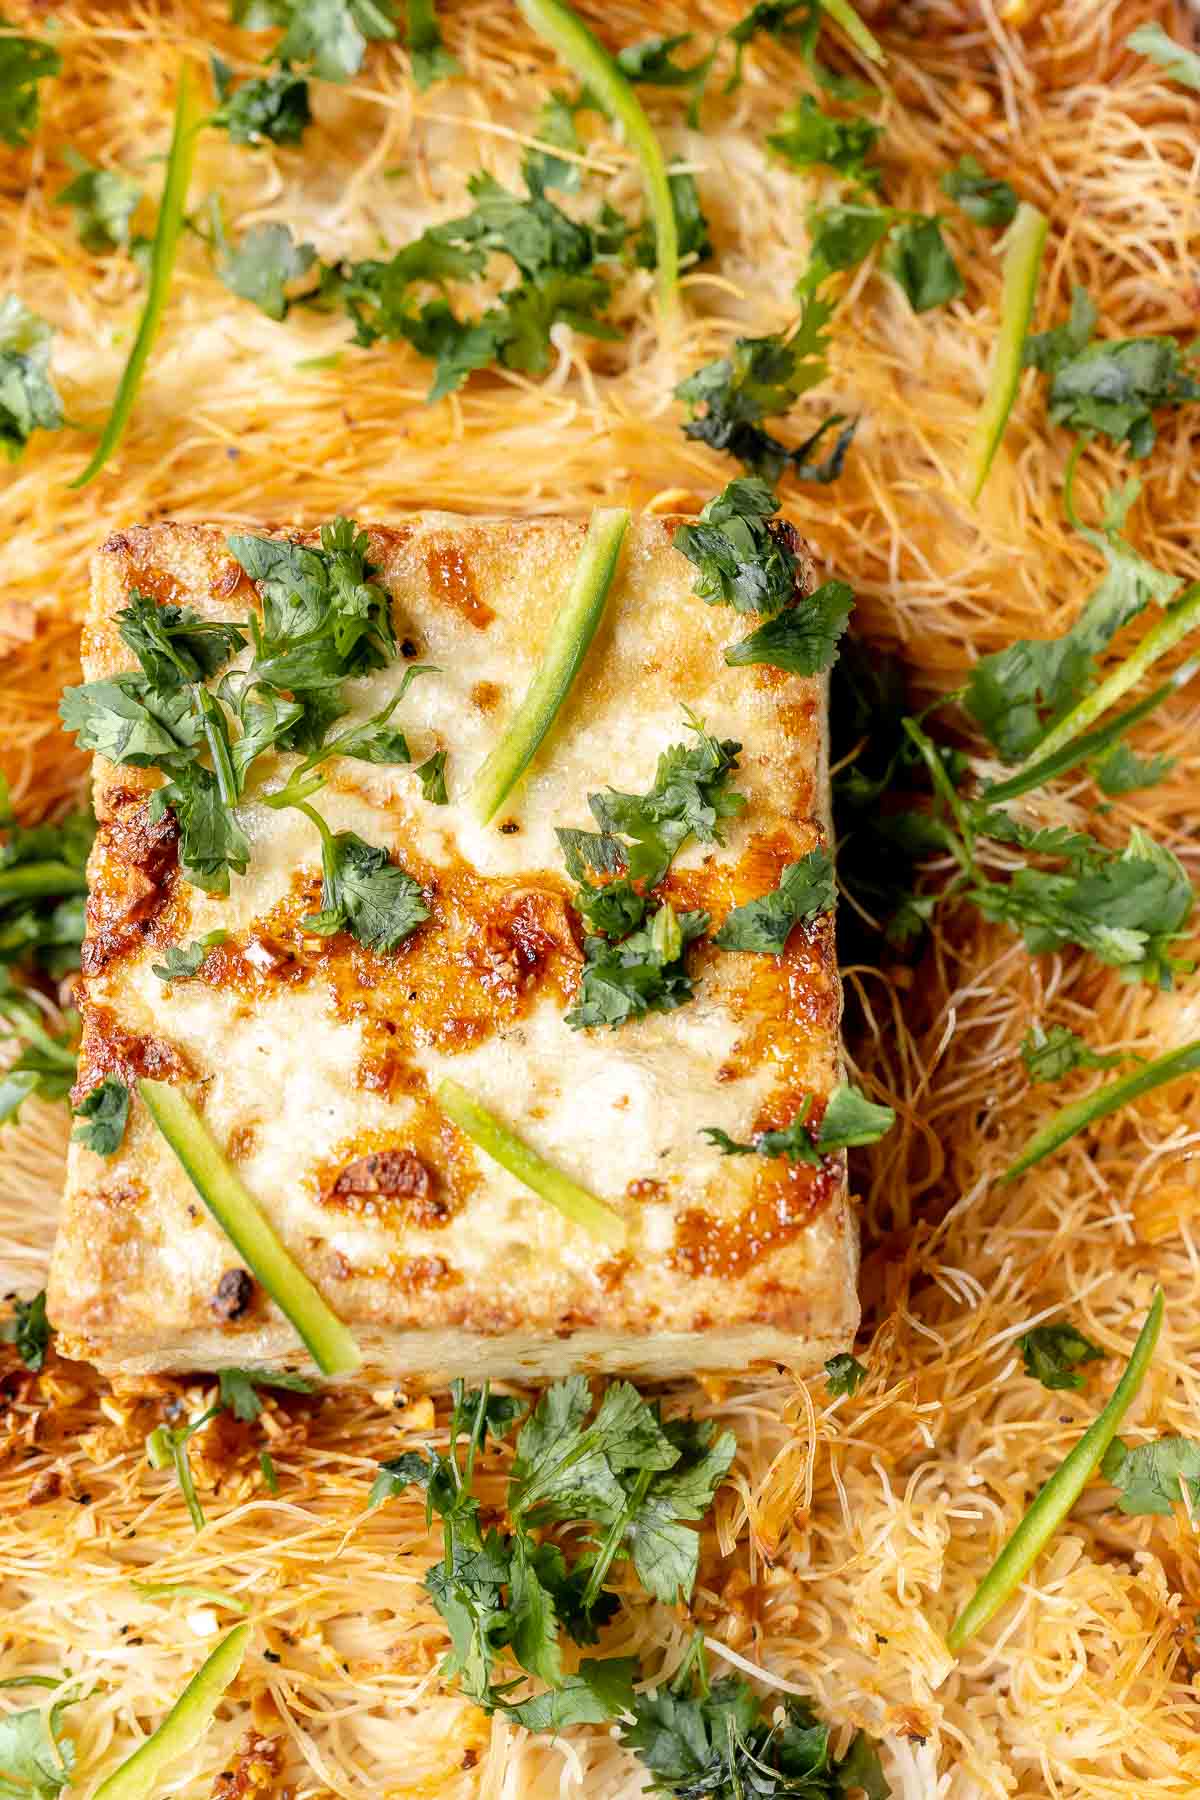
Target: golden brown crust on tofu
{"points": [[315, 1060]]}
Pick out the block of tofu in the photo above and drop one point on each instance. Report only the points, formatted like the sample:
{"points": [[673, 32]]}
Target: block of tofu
{"points": [[314, 1060]]}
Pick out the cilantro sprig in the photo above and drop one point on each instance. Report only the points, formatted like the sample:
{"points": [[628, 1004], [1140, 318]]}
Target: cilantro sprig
{"points": [[29, 1329], [849, 1120], [25, 62], [29, 400], [625, 1485], [1053, 1354]]}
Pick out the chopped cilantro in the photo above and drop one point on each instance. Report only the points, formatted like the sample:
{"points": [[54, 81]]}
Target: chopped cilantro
{"points": [[103, 201], [36, 1761], [264, 267], [1110, 386], [1122, 771], [652, 62], [918, 260], [432, 776], [28, 399], [1052, 1354], [916, 255], [1154, 1477], [270, 109], [849, 1121], [844, 1374], [803, 639], [332, 35], [806, 889], [689, 798], [983, 197], [1177, 62], [742, 562], [1049, 1055], [759, 378], [806, 136], [43, 881], [636, 1478], [643, 972], [364, 892], [24, 62], [703, 1738], [105, 1114], [181, 962], [431, 61], [29, 1330], [239, 1389], [46, 1061], [555, 126]]}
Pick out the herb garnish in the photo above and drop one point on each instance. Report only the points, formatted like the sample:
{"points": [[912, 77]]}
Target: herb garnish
{"points": [[640, 973], [36, 1761], [239, 1389], [983, 197], [1178, 63], [1052, 1354], [1049, 1055], [1109, 386], [264, 266], [916, 255], [105, 1114], [270, 109], [24, 61], [806, 136], [742, 562], [29, 1330], [1154, 1477], [29, 401], [331, 35], [689, 798], [183, 962], [1070, 1120], [844, 1374], [849, 1120], [635, 1478], [804, 638], [103, 201], [431, 61], [46, 1062], [806, 888]]}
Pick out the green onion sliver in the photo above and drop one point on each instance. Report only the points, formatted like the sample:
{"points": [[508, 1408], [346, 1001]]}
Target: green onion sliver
{"points": [[188, 1590], [586, 56], [1060, 1493], [1105, 1100], [237, 1213], [1175, 624], [141, 1774], [498, 1142], [171, 213], [843, 14], [1023, 246], [570, 639]]}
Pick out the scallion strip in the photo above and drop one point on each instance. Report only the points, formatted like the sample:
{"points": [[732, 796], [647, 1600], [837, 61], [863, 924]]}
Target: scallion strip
{"points": [[503, 1146], [140, 1775], [586, 56], [238, 1214], [1059, 1494], [189, 116], [1023, 246], [1093, 743], [1070, 1120], [188, 1590], [569, 641], [843, 14], [1175, 624]]}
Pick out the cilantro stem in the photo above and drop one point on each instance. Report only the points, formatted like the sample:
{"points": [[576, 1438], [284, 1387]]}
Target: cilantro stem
{"points": [[586, 56], [167, 232], [1093, 743], [570, 638], [1175, 624], [504, 1147], [612, 1542], [237, 1213], [1024, 245], [843, 14], [140, 1774], [944, 788], [1058, 1496], [1072, 1119], [216, 734], [166, 1448]]}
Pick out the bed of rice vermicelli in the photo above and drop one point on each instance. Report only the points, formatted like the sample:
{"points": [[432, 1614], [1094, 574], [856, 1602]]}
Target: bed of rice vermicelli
{"points": [[853, 1529]]}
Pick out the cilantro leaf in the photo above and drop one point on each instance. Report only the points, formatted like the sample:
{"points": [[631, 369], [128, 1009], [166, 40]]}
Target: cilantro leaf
{"points": [[183, 961], [1052, 1353], [591, 852], [565, 1467], [806, 889], [1152, 1477], [742, 562], [104, 202], [211, 842], [365, 893], [1112, 386], [28, 399], [29, 1330], [174, 644], [849, 1121], [35, 1762], [840, 237], [664, 1551], [45, 1064], [759, 378], [270, 109], [332, 35], [555, 125], [264, 266], [803, 639], [1049, 1055], [602, 1689], [482, 1413], [126, 721], [651, 62], [43, 881], [105, 1114], [983, 197], [239, 1388], [644, 972], [844, 1374], [1122, 771], [918, 259], [432, 776], [689, 798], [806, 136], [324, 617], [431, 61], [24, 61], [1178, 63]]}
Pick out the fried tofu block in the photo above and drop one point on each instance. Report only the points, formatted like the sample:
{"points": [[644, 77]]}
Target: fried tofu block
{"points": [[314, 1060]]}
